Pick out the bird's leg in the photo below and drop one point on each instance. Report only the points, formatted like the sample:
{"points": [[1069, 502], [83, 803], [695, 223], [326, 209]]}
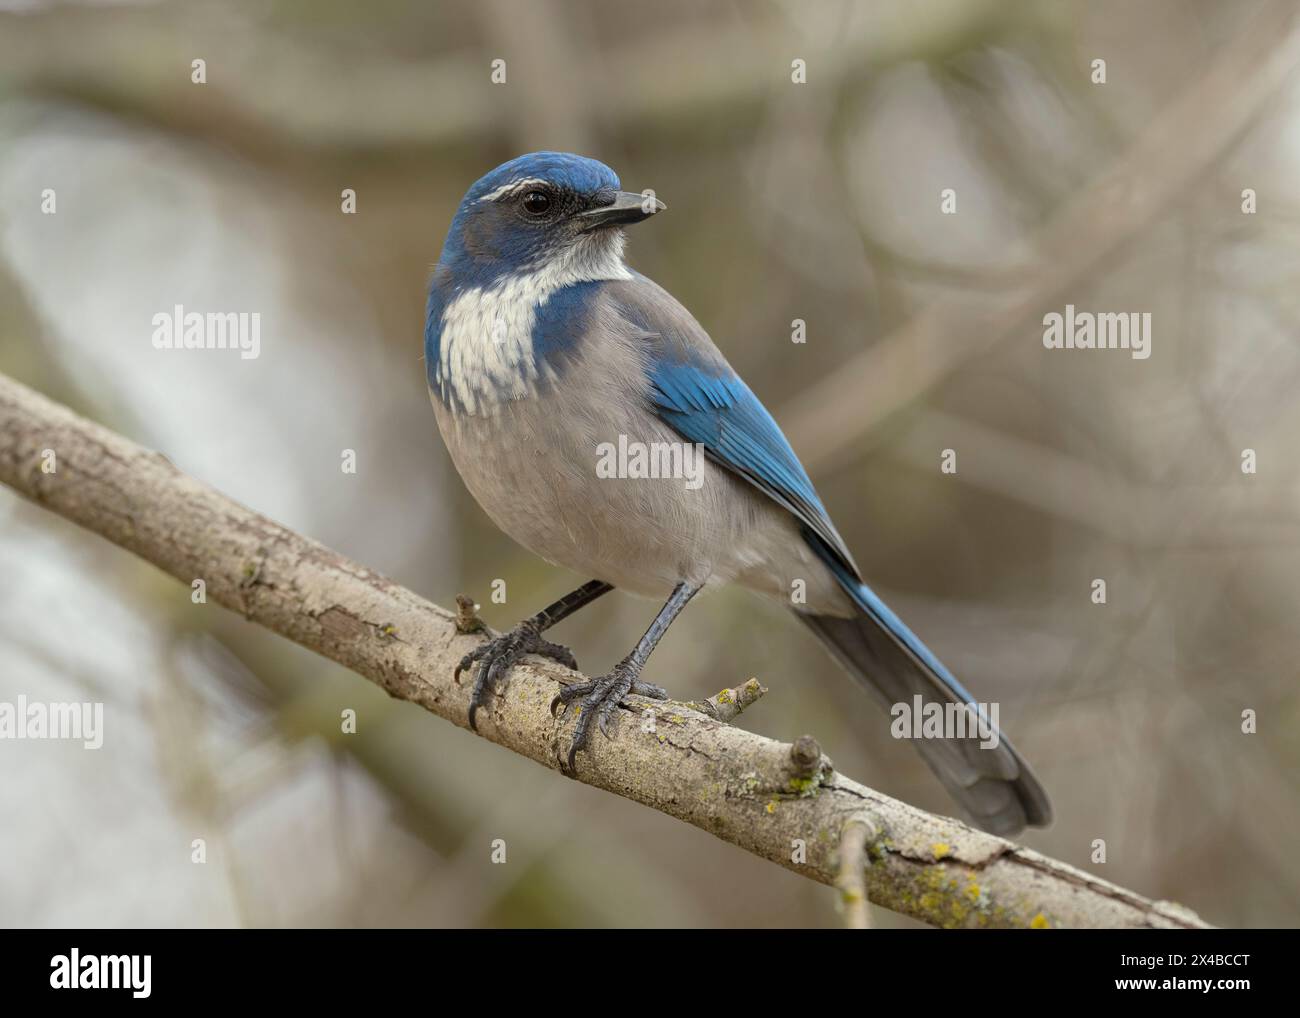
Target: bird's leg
{"points": [[601, 696], [499, 655]]}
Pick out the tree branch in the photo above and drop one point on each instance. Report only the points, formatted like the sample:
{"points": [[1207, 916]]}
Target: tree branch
{"points": [[858, 832], [782, 802]]}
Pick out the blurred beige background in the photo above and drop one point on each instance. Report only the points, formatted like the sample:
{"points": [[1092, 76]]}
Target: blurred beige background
{"points": [[817, 201]]}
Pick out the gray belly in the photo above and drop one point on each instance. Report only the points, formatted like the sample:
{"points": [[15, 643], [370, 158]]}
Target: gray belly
{"points": [[539, 482]]}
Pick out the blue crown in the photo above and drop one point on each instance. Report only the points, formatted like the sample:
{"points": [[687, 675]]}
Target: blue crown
{"points": [[577, 173]]}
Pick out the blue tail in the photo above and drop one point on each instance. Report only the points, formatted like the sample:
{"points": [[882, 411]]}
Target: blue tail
{"points": [[995, 786]]}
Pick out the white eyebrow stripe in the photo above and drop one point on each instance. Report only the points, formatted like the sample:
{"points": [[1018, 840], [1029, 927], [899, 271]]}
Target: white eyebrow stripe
{"points": [[511, 188]]}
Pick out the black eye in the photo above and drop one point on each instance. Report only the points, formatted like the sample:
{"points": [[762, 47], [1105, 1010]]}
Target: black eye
{"points": [[536, 203]]}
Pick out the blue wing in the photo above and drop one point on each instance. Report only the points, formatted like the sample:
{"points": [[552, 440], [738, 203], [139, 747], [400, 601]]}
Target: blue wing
{"points": [[695, 391], [723, 414]]}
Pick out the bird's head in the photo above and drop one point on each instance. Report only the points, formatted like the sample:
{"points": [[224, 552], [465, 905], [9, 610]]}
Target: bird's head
{"points": [[542, 210]]}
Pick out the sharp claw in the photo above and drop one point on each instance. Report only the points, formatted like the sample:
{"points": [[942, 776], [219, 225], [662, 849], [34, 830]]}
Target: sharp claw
{"points": [[498, 655], [559, 655], [599, 698], [497, 670], [469, 659]]}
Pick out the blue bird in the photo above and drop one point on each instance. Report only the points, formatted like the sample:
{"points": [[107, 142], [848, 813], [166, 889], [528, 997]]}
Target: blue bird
{"points": [[544, 350]]}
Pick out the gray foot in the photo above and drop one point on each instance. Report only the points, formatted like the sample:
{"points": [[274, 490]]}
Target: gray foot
{"points": [[600, 698], [499, 655]]}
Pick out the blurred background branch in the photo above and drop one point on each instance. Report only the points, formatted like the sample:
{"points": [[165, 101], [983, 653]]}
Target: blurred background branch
{"points": [[831, 417]]}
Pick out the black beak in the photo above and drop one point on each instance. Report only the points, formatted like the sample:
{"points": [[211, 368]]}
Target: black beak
{"points": [[624, 207]]}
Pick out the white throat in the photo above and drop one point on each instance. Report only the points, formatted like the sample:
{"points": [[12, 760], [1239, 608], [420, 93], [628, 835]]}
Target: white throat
{"points": [[486, 354]]}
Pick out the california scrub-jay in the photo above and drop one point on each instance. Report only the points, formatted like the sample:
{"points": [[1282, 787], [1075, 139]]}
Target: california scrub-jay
{"points": [[543, 348]]}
